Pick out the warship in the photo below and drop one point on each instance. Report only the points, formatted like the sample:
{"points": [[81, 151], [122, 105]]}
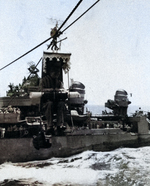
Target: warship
{"points": [[40, 119]]}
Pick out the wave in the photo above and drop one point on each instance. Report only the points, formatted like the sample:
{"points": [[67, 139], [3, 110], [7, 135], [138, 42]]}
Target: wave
{"points": [[124, 166]]}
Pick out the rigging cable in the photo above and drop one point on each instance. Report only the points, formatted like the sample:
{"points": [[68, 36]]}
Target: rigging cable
{"points": [[43, 41], [81, 15], [69, 15], [55, 34]]}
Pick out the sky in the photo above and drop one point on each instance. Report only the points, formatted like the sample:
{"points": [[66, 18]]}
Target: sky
{"points": [[109, 44]]}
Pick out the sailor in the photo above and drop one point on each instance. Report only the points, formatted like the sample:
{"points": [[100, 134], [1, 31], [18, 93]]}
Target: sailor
{"points": [[10, 109], [2, 132], [54, 34]]}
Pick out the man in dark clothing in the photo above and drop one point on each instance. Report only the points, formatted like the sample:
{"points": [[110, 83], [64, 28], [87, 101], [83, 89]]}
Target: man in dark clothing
{"points": [[52, 80], [50, 109], [51, 99]]}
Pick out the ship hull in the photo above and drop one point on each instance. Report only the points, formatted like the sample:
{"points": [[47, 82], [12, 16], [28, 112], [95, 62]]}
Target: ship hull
{"points": [[22, 149]]}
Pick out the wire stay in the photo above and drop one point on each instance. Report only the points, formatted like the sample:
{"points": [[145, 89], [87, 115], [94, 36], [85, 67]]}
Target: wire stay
{"points": [[56, 34]]}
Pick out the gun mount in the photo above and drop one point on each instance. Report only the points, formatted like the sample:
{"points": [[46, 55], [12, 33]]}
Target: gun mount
{"points": [[120, 103]]}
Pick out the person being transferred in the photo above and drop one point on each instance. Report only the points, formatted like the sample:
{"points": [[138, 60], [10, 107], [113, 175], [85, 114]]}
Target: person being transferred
{"points": [[51, 101], [52, 79]]}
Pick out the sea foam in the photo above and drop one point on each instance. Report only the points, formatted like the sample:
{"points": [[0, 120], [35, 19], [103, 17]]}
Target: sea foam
{"points": [[123, 166]]}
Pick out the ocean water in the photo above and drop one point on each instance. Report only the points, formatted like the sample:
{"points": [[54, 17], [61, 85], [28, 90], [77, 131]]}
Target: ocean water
{"points": [[97, 109], [121, 167]]}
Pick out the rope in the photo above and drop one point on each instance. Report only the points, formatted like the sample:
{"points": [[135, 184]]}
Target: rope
{"points": [[26, 53], [56, 34], [69, 15], [81, 15], [43, 41]]}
